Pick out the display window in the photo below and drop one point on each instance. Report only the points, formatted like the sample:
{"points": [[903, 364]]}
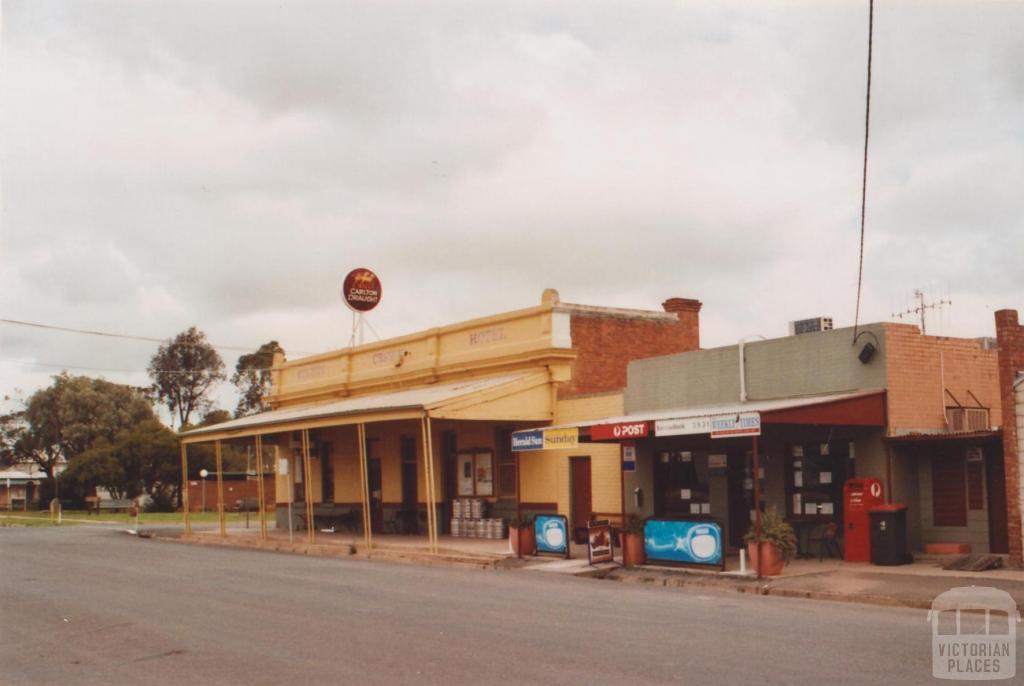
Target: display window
{"points": [[682, 478], [815, 474]]}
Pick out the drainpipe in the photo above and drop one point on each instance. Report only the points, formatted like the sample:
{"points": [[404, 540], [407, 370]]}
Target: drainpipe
{"points": [[743, 364]]}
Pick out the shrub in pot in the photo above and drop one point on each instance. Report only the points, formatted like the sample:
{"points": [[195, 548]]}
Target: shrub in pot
{"points": [[633, 542], [777, 544], [522, 535]]}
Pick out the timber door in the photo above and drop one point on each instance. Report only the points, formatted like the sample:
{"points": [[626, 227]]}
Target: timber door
{"points": [[998, 536], [582, 503], [410, 506]]}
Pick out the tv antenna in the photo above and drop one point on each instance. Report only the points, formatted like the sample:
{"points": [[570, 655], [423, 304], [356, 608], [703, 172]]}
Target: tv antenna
{"points": [[921, 308]]}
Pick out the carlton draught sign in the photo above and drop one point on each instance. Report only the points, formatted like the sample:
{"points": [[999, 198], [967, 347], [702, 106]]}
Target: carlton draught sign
{"points": [[361, 290]]}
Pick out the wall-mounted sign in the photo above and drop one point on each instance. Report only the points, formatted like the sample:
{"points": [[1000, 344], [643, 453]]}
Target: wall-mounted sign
{"points": [[361, 290], [605, 432], [561, 438], [684, 542], [684, 426], [629, 458], [552, 532], [599, 536], [530, 439], [731, 425], [545, 439]]}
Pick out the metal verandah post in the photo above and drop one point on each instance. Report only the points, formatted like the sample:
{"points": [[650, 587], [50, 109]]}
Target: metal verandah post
{"points": [[364, 489], [757, 504], [307, 467], [184, 490], [259, 487], [220, 489], [433, 481]]}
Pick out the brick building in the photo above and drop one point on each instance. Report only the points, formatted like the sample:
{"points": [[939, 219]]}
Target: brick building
{"points": [[1010, 339], [392, 433]]}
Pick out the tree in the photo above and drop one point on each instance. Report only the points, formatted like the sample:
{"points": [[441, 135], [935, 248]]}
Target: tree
{"points": [[142, 459], [252, 377], [184, 371], [68, 418]]}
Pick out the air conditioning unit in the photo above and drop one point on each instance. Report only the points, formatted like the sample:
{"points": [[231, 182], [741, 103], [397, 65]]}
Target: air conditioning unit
{"points": [[812, 325], [967, 418]]}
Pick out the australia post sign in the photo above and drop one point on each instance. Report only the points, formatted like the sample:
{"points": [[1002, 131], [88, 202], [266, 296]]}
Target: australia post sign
{"points": [[612, 432]]}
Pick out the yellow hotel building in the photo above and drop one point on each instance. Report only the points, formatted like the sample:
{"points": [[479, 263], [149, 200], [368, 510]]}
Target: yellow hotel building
{"points": [[386, 437]]}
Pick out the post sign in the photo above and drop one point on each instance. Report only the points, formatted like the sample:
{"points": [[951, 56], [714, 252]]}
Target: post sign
{"points": [[606, 432], [681, 541], [599, 542], [552, 532], [361, 290]]}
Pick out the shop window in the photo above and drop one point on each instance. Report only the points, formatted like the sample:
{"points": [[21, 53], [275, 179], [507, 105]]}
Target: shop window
{"points": [[815, 474], [949, 492], [506, 464], [326, 473], [681, 483], [475, 473]]}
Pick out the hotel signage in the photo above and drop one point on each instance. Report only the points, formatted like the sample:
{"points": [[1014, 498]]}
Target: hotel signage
{"points": [[361, 290]]}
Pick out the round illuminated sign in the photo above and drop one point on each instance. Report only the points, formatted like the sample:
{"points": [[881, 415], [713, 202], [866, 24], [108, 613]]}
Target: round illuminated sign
{"points": [[361, 290]]}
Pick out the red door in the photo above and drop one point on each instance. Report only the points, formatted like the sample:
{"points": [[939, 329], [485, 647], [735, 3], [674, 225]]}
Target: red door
{"points": [[582, 504]]}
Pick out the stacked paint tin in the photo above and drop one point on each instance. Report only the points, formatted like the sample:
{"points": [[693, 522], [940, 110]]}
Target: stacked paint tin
{"points": [[468, 520]]}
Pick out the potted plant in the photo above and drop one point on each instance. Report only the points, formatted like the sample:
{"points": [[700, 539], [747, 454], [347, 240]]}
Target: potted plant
{"points": [[633, 542], [774, 547], [522, 536]]}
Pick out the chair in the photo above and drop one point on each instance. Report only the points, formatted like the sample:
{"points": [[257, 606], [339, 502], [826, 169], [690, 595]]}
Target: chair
{"points": [[827, 540]]}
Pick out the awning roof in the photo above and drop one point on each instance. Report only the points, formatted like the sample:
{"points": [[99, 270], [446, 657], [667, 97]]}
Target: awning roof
{"points": [[919, 437], [509, 397], [778, 406]]}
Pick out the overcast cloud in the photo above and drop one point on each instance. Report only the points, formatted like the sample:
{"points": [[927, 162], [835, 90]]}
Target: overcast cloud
{"points": [[224, 164]]}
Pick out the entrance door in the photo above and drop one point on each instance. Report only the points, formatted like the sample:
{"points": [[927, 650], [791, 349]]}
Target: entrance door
{"points": [[998, 536], [410, 508], [582, 504], [741, 499], [376, 493]]}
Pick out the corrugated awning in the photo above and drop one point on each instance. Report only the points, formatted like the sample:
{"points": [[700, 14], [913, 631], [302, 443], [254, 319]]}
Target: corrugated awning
{"points": [[510, 397], [769, 409]]}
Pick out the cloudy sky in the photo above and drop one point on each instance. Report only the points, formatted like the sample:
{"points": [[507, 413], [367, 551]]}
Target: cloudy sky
{"points": [[224, 164]]}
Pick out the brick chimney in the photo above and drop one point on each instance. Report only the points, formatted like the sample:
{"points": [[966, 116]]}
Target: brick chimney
{"points": [[1010, 338], [688, 311]]}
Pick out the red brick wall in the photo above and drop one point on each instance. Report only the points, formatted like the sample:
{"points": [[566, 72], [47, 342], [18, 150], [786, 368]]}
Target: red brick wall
{"points": [[233, 490], [917, 366], [606, 342], [1010, 336]]}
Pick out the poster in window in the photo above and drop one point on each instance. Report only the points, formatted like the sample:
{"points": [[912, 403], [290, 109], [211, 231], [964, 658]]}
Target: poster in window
{"points": [[465, 474], [484, 474]]}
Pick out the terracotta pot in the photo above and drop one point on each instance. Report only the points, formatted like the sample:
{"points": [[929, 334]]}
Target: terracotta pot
{"points": [[772, 564], [524, 540], [633, 550]]}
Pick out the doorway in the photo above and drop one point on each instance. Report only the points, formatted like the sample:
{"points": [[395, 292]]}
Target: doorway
{"points": [[376, 504], [449, 478], [409, 515], [581, 506], [998, 535]]}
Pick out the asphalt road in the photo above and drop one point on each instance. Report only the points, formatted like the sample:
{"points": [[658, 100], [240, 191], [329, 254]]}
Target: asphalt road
{"points": [[92, 605]]}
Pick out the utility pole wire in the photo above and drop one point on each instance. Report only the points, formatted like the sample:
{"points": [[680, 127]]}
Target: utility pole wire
{"points": [[864, 180]]}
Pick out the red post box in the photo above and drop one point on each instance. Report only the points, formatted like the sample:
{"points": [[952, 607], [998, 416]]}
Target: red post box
{"points": [[859, 496]]}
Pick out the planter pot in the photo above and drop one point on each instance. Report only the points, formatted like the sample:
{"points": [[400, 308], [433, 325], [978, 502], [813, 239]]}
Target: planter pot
{"points": [[772, 564], [633, 550], [524, 541]]}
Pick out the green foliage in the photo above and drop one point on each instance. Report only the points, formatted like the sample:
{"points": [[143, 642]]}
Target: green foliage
{"points": [[520, 521], [633, 525], [777, 531], [143, 459], [69, 417], [252, 377], [184, 371]]}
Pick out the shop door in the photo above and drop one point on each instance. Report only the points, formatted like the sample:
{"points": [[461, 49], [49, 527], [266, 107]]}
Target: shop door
{"points": [[998, 536], [582, 504], [376, 494], [410, 509]]}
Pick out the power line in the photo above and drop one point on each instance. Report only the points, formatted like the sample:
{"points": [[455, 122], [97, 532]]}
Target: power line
{"points": [[864, 180], [111, 370], [106, 334]]}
